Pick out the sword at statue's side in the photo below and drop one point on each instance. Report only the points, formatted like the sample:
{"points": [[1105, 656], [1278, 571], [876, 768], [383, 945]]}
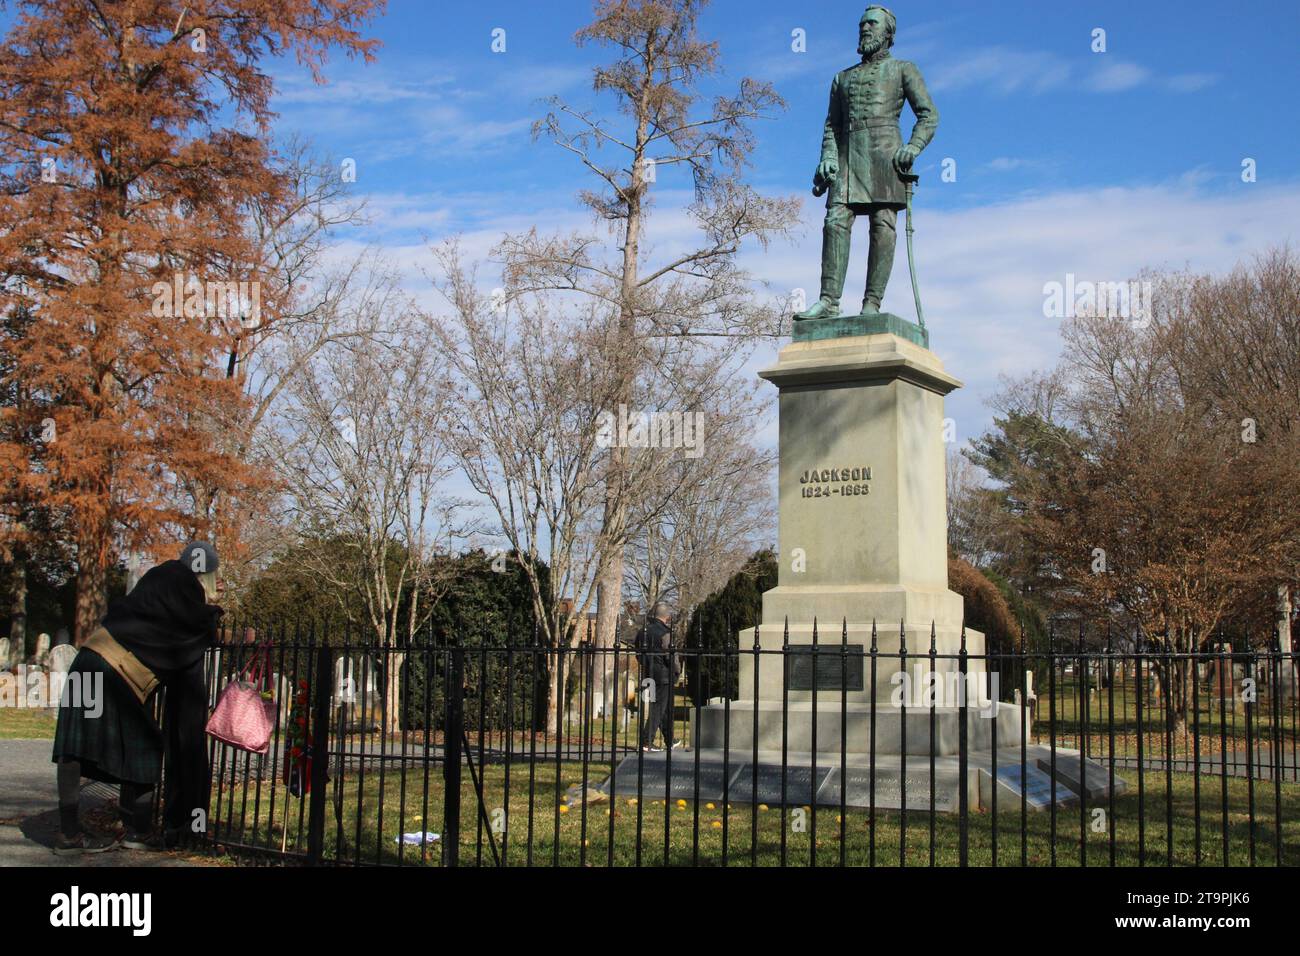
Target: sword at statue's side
{"points": [[911, 179]]}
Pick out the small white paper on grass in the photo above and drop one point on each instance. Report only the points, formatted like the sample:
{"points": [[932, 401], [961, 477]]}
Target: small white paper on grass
{"points": [[417, 838]]}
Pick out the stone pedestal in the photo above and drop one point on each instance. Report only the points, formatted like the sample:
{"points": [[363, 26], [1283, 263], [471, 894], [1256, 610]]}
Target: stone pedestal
{"points": [[863, 548], [863, 506], [863, 553]]}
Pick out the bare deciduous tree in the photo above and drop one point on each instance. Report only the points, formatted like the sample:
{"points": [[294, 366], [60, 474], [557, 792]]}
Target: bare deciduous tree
{"points": [[684, 293], [530, 388], [362, 442], [711, 511]]}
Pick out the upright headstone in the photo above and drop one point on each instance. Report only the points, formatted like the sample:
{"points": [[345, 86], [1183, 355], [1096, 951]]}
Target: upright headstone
{"points": [[368, 681], [284, 696], [1222, 689], [42, 648], [61, 658], [356, 687], [345, 682], [4, 652]]}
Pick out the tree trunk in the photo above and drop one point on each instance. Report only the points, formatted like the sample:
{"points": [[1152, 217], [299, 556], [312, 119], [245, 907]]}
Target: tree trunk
{"points": [[17, 612], [609, 595], [1171, 705], [393, 693], [609, 611], [1183, 699], [92, 582], [555, 692], [1286, 666]]}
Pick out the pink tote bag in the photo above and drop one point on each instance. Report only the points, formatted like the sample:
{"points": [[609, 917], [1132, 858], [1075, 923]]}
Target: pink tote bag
{"points": [[242, 717]]}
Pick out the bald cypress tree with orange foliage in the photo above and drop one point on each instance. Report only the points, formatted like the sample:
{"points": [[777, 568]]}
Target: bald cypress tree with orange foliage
{"points": [[133, 145]]}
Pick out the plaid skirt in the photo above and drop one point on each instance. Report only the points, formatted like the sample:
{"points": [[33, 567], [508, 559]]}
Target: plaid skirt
{"points": [[111, 733]]}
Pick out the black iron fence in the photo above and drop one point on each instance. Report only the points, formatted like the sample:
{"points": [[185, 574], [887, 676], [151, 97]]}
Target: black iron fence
{"points": [[898, 749]]}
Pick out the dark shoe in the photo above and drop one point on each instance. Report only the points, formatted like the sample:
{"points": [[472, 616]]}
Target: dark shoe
{"points": [[142, 841], [821, 309], [84, 843]]}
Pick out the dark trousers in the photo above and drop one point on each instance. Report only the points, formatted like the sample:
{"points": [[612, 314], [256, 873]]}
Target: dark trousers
{"points": [[186, 750], [658, 714], [135, 806], [836, 234]]}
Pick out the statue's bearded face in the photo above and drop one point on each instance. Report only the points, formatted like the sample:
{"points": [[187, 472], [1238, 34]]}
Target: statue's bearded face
{"points": [[872, 33]]}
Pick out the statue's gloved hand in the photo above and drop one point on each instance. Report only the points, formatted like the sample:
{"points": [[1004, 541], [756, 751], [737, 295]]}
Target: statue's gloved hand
{"points": [[904, 157], [827, 170]]}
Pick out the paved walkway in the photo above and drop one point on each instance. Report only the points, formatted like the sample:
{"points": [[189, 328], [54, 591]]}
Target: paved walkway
{"points": [[29, 816]]}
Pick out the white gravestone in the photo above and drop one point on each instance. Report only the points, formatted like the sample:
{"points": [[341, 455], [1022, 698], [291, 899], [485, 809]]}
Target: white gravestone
{"points": [[284, 692], [61, 658]]}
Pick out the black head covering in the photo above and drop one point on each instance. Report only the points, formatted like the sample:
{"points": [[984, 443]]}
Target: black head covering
{"points": [[165, 621]]}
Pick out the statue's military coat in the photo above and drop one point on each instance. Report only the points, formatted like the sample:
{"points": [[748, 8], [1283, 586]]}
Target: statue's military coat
{"points": [[862, 128]]}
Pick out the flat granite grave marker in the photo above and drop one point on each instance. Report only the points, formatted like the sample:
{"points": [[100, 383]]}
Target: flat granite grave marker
{"points": [[801, 787], [1072, 775], [654, 775], [889, 789], [1036, 787]]}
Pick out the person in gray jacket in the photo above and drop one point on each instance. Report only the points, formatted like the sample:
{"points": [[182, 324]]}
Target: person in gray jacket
{"points": [[659, 670]]}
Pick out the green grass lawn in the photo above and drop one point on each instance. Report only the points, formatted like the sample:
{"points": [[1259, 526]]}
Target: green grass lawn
{"points": [[563, 833], [1092, 716], [22, 723]]}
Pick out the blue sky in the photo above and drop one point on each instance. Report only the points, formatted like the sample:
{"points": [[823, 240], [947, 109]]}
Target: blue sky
{"points": [[1182, 88], [1068, 161]]}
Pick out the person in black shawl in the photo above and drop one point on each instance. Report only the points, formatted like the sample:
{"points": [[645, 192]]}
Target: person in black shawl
{"points": [[160, 630]]}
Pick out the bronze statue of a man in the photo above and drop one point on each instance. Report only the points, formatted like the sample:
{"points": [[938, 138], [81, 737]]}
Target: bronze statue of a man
{"points": [[863, 159]]}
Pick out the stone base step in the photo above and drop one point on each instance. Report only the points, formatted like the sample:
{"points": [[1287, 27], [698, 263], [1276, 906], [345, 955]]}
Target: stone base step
{"points": [[804, 778], [896, 730]]}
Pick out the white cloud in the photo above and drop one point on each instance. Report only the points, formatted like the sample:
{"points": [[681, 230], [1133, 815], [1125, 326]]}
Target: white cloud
{"points": [[1003, 70], [1116, 76], [1006, 164], [981, 268], [1190, 82]]}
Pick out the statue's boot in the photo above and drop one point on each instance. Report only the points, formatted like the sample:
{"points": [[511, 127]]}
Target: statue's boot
{"points": [[836, 234], [821, 309], [880, 259]]}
